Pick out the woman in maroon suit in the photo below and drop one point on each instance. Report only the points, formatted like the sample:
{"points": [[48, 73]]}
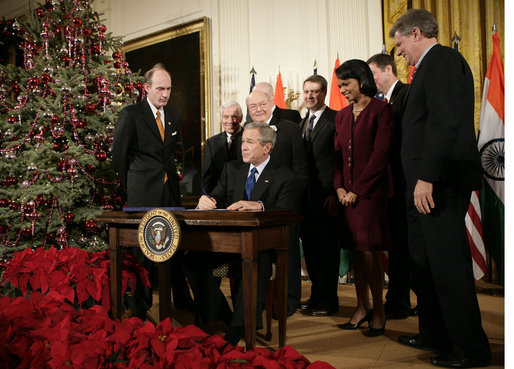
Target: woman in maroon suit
{"points": [[362, 179]]}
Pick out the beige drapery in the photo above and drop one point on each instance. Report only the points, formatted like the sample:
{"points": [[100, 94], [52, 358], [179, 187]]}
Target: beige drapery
{"points": [[471, 19]]}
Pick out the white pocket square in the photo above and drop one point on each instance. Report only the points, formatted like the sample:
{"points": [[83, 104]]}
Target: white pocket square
{"points": [[174, 133]]}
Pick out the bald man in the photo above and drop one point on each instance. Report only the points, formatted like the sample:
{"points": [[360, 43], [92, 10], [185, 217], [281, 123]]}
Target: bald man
{"points": [[278, 113]]}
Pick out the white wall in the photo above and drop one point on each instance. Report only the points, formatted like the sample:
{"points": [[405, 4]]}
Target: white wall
{"points": [[265, 34]]}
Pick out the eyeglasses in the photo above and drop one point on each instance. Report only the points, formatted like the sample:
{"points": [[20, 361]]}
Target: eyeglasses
{"points": [[254, 107]]}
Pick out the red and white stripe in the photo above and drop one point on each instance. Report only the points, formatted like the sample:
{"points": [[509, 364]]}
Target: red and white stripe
{"points": [[475, 235]]}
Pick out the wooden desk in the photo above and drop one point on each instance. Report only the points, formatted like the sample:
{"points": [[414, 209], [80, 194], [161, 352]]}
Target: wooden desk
{"points": [[244, 233]]}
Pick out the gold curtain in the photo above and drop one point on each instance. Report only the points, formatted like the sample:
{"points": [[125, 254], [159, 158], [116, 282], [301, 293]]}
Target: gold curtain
{"points": [[472, 20]]}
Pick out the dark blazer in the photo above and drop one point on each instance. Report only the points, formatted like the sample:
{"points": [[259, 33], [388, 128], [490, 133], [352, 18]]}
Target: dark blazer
{"points": [[274, 186], [289, 152], [319, 239], [397, 101], [274, 189], [287, 114], [320, 157], [141, 158], [216, 155], [439, 144]]}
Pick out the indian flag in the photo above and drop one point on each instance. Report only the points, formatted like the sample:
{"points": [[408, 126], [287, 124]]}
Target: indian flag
{"points": [[491, 142]]}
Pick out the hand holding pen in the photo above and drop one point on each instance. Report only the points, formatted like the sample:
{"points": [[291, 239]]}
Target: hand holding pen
{"points": [[206, 202]]}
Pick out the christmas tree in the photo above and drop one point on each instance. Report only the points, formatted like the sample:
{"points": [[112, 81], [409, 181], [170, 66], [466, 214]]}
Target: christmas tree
{"points": [[57, 116]]}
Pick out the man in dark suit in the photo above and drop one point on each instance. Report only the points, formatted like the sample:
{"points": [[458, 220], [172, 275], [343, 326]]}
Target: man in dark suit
{"points": [[278, 113], [145, 138], [442, 167], [257, 182], [319, 202], [289, 152], [397, 305], [223, 147], [143, 156]]}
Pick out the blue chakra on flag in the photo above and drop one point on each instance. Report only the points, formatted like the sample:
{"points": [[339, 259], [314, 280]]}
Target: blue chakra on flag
{"points": [[159, 235], [493, 159]]}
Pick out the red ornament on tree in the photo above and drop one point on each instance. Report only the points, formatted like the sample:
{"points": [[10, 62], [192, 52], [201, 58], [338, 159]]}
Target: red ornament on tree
{"points": [[77, 22], [101, 156], [90, 108], [69, 217], [40, 13], [92, 227], [86, 32]]}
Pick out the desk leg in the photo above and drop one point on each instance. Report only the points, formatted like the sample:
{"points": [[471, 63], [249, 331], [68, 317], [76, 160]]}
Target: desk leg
{"points": [[115, 270], [281, 284], [249, 269], [164, 270]]}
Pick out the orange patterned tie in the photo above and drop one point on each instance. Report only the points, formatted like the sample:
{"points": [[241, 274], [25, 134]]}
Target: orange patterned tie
{"points": [[161, 131]]}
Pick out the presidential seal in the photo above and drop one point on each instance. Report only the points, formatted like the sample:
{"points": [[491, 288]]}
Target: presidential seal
{"points": [[159, 235]]}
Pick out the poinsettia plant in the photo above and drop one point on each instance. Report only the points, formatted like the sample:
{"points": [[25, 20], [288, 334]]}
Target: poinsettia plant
{"points": [[44, 332], [74, 275], [56, 316]]}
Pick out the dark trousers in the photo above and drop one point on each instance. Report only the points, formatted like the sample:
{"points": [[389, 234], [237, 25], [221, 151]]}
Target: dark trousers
{"points": [[322, 256], [294, 286], [449, 315], [398, 292], [210, 302]]}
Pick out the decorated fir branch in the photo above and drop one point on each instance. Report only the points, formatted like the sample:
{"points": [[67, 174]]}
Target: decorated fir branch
{"points": [[57, 116]]}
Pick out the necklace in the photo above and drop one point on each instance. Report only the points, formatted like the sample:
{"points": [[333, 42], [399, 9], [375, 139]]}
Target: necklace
{"points": [[357, 110]]}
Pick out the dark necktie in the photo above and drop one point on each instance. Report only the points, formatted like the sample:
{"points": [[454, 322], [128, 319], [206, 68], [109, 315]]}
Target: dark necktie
{"points": [[250, 182], [230, 148], [310, 126]]}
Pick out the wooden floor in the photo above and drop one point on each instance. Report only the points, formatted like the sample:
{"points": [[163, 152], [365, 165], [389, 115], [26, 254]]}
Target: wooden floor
{"points": [[318, 338]]}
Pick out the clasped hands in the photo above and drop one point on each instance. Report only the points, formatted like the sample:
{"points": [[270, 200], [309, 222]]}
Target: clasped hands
{"points": [[209, 203], [346, 198]]}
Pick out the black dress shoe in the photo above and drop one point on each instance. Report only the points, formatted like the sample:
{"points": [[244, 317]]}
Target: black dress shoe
{"points": [[307, 305], [415, 342], [392, 315], [321, 310], [291, 310], [375, 332], [185, 305], [450, 360], [351, 327], [234, 335]]}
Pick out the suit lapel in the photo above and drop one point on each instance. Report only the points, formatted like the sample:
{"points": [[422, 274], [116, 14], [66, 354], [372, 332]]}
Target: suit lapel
{"points": [[320, 125], [239, 186], [170, 125], [395, 92], [149, 119], [420, 70], [264, 181], [274, 122]]}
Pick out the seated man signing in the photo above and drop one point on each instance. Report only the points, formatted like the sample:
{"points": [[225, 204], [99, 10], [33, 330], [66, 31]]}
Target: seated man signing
{"points": [[256, 183]]}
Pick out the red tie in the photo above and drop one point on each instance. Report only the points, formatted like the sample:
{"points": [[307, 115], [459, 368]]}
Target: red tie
{"points": [[412, 73], [385, 99]]}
